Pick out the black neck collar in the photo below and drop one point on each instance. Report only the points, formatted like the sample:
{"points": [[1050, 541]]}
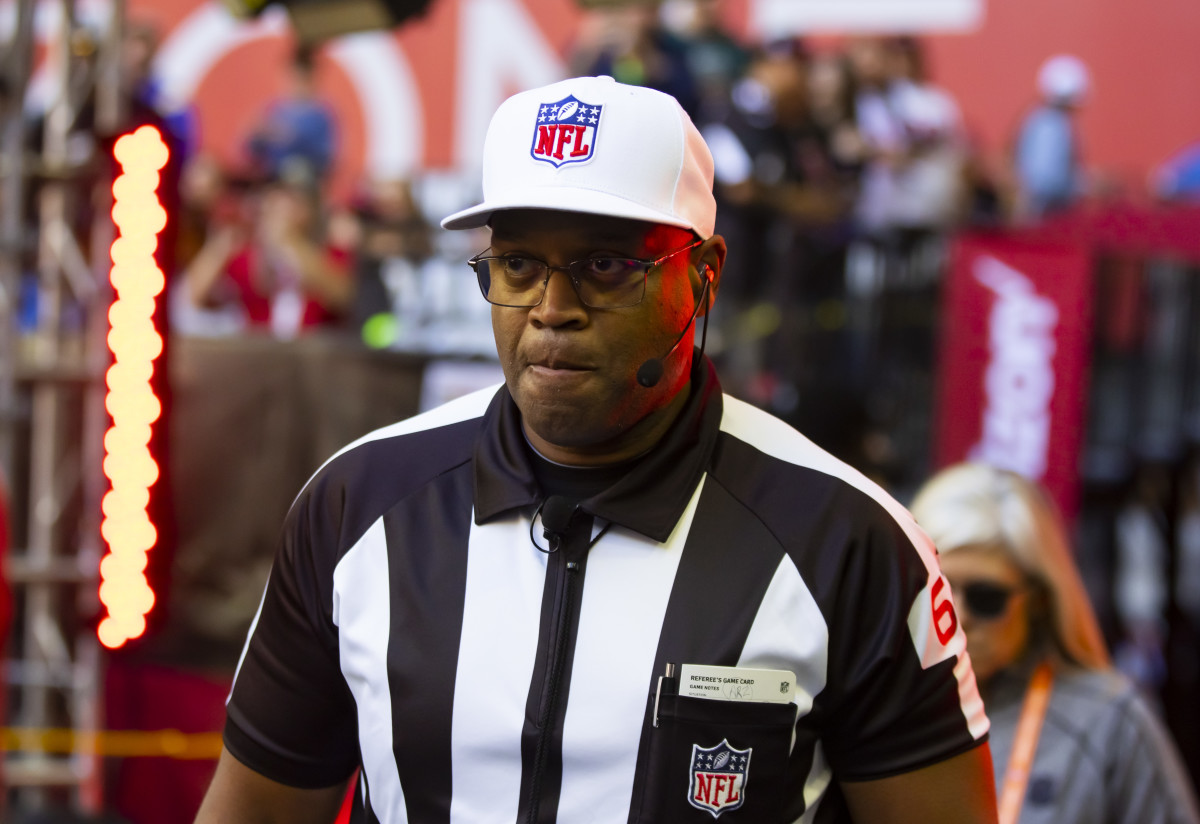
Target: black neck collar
{"points": [[648, 497]]}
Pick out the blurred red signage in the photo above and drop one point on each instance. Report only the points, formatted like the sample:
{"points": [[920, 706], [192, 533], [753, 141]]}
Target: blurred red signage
{"points": [[1014, 359]]}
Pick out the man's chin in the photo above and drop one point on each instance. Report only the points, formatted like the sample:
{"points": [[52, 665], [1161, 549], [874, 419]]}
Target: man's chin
{"points": [[569, 432]]}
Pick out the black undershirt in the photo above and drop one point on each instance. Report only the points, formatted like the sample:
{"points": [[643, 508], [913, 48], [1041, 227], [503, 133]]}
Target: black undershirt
{"points": [[576, 483]]}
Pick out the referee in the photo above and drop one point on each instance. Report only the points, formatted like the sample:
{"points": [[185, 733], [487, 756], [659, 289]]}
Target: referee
{"points": [[602, 591]]}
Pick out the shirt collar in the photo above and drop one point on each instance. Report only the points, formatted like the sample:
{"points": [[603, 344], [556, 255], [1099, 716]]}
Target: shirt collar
{"points": [[650, 499]]}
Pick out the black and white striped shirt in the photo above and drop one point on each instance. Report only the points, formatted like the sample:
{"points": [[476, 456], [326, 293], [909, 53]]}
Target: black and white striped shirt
{"points": [[410, 627]]}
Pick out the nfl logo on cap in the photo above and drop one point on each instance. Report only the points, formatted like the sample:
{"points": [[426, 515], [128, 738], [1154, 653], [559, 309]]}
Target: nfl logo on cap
{"points": [[565, 131]]}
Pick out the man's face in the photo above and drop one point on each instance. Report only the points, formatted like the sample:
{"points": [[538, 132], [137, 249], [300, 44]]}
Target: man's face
{"points": [[572, 369]]}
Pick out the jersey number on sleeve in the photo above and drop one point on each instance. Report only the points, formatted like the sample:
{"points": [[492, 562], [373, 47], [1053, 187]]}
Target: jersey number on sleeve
{"points": [[945, 622]]}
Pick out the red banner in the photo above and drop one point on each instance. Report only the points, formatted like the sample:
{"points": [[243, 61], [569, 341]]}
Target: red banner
{"points": [[1015, 349]]}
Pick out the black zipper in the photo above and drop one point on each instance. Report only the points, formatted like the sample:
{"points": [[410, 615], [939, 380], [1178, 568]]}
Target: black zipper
{"points": [[570, 577]]}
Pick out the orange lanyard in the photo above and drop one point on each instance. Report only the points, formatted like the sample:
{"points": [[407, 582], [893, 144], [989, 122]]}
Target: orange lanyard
{"points": [[1029, 727]]}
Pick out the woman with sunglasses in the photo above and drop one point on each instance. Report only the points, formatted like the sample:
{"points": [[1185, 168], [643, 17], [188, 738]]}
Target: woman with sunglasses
{"points": [[1072, 740]]}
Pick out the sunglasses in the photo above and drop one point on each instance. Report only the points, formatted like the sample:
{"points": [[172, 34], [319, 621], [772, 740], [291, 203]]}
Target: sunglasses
{"points": [[984, 599]]}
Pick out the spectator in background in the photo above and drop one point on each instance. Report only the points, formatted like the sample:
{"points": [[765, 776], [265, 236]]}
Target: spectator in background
{"points": [[282, 274], [715, 57], [831, 96], [397, 240], [1102, 756], [204, 193], [932, 171], [1047, 163], [884, 138], [393, 223], [784, 200], [298, 126], [773, 170], [1141, 577], [628, 42], [209, 201], [911, 131]]}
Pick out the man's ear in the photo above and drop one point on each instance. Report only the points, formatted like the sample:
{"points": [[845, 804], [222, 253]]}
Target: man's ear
{"points": [[712, 260]]}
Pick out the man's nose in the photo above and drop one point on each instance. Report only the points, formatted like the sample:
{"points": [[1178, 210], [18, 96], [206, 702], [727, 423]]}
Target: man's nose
{"points": [[560, 303]]}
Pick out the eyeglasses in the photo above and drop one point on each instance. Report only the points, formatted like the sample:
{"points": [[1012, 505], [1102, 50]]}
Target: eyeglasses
{"points": [[519, 281], [986, 600]]}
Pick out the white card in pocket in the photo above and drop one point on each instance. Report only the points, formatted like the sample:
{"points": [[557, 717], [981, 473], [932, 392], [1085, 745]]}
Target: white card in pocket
{"points": [[737, 683]]}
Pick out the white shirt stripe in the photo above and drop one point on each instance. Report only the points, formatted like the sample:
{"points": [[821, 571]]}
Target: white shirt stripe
{"points": [[787, 628], [497, 652], [361, 605]]}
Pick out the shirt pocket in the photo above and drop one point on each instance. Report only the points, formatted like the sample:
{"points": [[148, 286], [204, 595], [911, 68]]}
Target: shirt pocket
{"points": [[717, 759]]}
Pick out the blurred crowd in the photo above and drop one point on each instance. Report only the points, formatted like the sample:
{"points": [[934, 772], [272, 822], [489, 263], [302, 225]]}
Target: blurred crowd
{"points": [[261, 247], [839, 172]]}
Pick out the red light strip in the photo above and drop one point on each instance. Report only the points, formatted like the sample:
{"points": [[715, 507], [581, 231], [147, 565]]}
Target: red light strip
{"points": [[135, 343]]}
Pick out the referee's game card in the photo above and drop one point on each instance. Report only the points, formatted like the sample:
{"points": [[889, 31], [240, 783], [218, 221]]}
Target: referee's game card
{"points": [[737, 683]]}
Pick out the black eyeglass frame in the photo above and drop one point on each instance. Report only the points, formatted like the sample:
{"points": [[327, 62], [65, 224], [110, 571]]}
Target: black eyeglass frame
{"points": [[575, 279]]}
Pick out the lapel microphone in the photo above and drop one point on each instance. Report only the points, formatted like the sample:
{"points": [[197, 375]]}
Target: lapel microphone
{"points": [[651, 372], [556, 513]]}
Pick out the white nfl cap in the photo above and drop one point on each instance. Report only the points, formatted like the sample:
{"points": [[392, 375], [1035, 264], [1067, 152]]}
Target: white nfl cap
{"points": [[593, 145]]}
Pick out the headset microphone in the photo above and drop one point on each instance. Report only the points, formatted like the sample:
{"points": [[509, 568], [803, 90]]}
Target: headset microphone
{"points": [[651, 371]]}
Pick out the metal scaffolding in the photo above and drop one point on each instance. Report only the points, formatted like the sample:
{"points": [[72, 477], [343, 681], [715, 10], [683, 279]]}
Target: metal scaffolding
{"points": [[54, 295]]}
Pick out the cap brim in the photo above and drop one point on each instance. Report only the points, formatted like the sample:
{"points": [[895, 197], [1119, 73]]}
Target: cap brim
{"points": [[585, 201]]}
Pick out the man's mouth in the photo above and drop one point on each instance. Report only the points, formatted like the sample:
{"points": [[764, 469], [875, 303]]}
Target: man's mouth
{"points": [[560, 362]]}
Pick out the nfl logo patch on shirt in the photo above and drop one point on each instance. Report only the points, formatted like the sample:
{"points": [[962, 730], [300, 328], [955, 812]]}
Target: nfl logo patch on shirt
{"points": [[719, 774], [565, 131]]}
